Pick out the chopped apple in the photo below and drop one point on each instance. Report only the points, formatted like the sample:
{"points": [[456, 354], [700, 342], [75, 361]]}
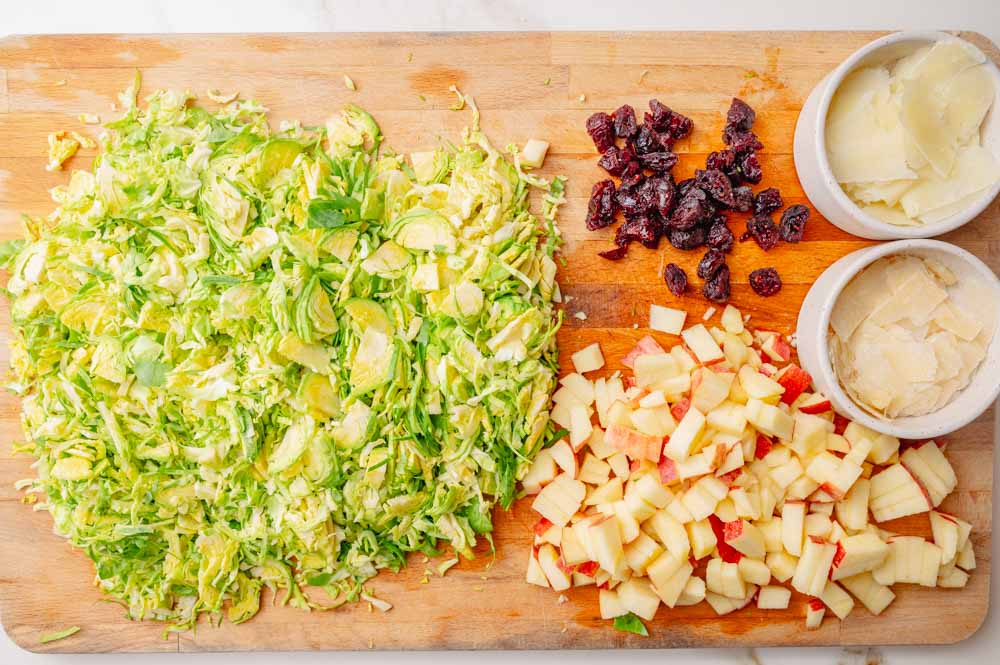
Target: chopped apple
{"points": [[724, 579], [815, 404], [801, 488], [666, 319], [581, 387], [709, 388], [637, 596], [809, 434], [773, 598], [593, 471], [732, 320], [645, 346], [649, 488], [542, 472], [619, 465], [671, 534], [634, 444], [769, 419], [728, 417], [787, 473], [771, 530], [598, 446], [793, 515], [795, 381], [670, 589], [759, 386], [611, 605], [533, 153], [782, 565], [724, 605], [681, 442], [702, 497], [605, 542], [883, 445], [694, 592], [655, 371], [654, 421], [931, 468], [857, 554], [745, 538], [588, 359], [702, 344], [702, 538], [815, 609], [835, 476], [952, 577], [835, 443], [535, 575], [609, 492], [852, 510], [627, 523], [754, 571], [559, 500], [838, 600], [564, 457], [896, 493], [573, 551], [813, 567], [966, 559], [817, 525], [548, 559], [640, 552], [874, 596], [945, 530]]}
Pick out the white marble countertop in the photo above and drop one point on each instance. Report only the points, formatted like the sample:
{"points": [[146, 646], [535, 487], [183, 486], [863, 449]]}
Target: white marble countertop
{"points": [[143, 16]]}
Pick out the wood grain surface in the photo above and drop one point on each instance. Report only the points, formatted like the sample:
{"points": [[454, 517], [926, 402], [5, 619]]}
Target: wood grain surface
{"points": [[528, 85]]}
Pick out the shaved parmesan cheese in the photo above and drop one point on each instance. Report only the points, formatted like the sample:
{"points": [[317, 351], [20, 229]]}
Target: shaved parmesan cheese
{"points": [[903, 139], [907, 335]]}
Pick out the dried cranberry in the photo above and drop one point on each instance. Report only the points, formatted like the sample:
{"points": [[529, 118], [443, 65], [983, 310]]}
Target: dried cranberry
{"points": [[793, 222], [601, 130], [717, 288], [743, 196], [717, 185], [767, 201], [687, 239], [740, 115], [615, 254], [676, 279], [763, 230], [616, 160], [720, 236], [642, 228], [624, 119], [750, 168], [691, 210], [648, 140], [765, 281], [710, 263], [633, 176], [684, 186], [723, 160], [664, 194], [660, 162], [668, 121], [741, 142], [601, 209]]}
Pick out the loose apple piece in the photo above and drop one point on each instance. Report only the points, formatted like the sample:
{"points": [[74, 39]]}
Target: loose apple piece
{"points": [[896, 493], [874, 596], [793, 515], [813, 568], [769, 419], [795, 381], [745, 538], [637, 596], [815, 404], [776, 347], [782, 565], [603, 539], [633, 443], [694, 592], [645, 346], [809, 434], [724, 579], [640, 552], [732, 320], [611, 605], [857, 554], [581, 387], [628, 525], [670, 589], [593, 471], [682, 441], [548, 559], [564, 457], [815, 609], [754, 571], [666, 319], [588, 358], [702, 344], [535, 575], [701, 537], [773, 598], [945, 530], [852, 510], [702, 497], [883, 445], [952, 577], [839, 602], [724, 605], [559, 500], [931, 468], [966, 559], [542, 472]]}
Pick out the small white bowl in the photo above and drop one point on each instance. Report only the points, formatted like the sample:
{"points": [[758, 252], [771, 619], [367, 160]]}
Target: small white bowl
{"points": [[812, 340], [812, 164]]}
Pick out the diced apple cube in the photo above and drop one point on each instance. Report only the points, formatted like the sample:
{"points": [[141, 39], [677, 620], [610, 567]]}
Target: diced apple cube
{"points": [[966, 559], [952, 577], [852, 510], [758, 386], [533, 153], [874, 596], [945, 530], [535, 575], [839, 602], [638, 597], [564, 457], [573, 551], [769, 419], [815, 609], [605, 542], [702, 344], [745, 538], [724, 579], [548, 559], [627, 523], [542, 472], [813, 568], [666, 319], [702, 538], [559, 500], [857, 554], [883, 445], [896, 493], [732, 320], [670, 589], [809, 434], [640, 552], [728, 417], [694, 592], [634, 444], [782, 565], [593, 471], [931, 469], [773, 598], [723, 605], [689, 429], [702, 497], [709, 388], [754, 571], [611, 605], [588, 359], [793, 515]]}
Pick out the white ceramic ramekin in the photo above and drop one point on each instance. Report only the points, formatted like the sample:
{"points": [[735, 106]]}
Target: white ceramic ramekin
{"points": [[812, 337], [813, 167]]}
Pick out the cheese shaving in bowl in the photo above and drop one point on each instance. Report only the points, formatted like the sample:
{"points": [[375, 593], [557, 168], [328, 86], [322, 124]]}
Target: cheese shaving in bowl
{"points": [[907, 335]]}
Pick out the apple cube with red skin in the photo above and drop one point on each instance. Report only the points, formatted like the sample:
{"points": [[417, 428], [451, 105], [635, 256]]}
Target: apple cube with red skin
{"points": [[931, 468], [815, 609], [682, 440], [555, 573], [895, 493], [857, 554], [646, 345], [535, 575], [745, 538], [633, 443], [813, 568], [795, 381], [815, 404]]}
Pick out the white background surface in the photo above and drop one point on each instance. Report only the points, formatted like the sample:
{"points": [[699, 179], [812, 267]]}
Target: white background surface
{"points": [[49, 16]]}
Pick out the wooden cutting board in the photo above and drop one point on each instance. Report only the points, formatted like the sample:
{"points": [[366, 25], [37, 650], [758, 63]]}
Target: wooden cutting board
{"points": [[528, 85]]}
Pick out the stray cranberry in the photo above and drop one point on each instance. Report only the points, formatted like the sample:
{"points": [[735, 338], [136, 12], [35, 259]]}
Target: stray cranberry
{"points": [[767, 201], [676, 279], [740, 115], [717, 288], [710, 263], [691, 210], [743, 196], [765, 281], [602, 131], [641, 228], [616, 160], [763, 230], [716, 184], [687, 239], [659, 162], [723, 160], [615, 254], [741, 142], [793, 223], [601, 209], [720, 236], [750, 168], [624, 119]]}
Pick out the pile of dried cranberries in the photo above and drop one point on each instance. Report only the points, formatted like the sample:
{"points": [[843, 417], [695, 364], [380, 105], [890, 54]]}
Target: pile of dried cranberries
{"points": [[689, 213]]}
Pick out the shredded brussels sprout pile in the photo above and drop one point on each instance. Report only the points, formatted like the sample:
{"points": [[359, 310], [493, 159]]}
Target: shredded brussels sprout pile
{"points": [[251, 358]]}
